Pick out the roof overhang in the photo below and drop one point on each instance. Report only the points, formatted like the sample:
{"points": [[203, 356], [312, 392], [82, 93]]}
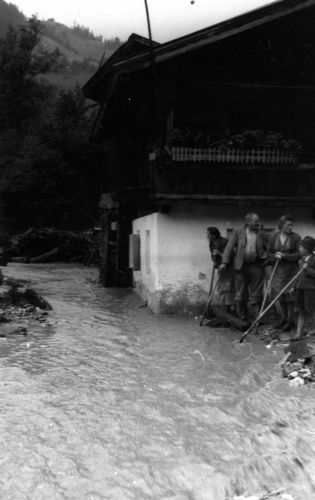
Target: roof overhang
{"points": [[202, 38]]}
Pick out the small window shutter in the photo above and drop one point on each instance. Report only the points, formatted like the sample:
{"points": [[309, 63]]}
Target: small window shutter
{"points": [[134, 252]]}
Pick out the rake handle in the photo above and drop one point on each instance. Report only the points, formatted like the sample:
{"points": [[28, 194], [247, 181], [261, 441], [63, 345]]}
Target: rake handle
{"points": [[292, 280]]}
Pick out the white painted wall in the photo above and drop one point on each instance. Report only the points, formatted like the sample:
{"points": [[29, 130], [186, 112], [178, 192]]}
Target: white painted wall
{"points": [[146, 282], [180, 264]]}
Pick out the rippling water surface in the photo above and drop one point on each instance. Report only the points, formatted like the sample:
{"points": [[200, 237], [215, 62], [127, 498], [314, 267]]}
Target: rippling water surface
{"points": [[112, 402]]}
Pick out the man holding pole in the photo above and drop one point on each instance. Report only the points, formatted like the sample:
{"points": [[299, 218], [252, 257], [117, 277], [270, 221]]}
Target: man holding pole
{"points": [[248, 249]]}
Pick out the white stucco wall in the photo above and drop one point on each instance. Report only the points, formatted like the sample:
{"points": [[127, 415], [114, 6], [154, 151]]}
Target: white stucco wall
{"points": [[180, 264], [146, 282]]}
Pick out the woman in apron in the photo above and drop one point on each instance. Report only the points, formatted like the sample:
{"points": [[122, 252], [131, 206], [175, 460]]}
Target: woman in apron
{"points": [[284, 247]]}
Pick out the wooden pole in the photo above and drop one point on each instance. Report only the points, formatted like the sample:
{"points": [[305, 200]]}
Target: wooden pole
{"points": [[212, 280], [290, 283], [148, 21], [154, 74], [269, 286], [211, 293]]}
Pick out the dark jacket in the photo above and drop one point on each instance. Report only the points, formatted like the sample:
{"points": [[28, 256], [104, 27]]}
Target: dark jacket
{"points": [[235, 248], [290, 249], [218, 244], [307, 278]]}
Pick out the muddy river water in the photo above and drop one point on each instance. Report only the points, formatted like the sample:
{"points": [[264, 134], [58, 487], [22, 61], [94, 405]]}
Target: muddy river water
{"points": [[111, 402]]}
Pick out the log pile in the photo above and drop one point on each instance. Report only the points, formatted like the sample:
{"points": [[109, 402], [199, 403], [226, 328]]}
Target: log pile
{"points": [[49, 245]]}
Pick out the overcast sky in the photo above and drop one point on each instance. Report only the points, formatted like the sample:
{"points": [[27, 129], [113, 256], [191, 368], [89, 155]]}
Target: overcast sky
{"points": [[169, 18]]}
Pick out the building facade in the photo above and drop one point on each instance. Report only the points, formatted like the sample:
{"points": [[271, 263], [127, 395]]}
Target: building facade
{"points": [[201, 130]]}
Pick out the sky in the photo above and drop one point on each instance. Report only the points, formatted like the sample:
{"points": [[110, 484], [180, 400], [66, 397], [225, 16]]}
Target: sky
{"points": [[109, 18]]}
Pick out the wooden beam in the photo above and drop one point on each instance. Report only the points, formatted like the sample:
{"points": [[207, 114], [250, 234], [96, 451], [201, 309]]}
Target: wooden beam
{"points": [[235, 200]]}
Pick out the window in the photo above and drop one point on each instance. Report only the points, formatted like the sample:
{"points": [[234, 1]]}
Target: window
{"points": [[134, 252]]}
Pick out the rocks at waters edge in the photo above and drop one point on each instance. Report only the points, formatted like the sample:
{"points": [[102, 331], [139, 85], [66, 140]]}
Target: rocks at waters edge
{"points": [[298, 366], [299, 372], [278, 495], [12, 329], [19, 303]]}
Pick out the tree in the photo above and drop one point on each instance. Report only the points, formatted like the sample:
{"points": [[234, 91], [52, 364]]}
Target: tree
{"points": [[50, 172], [79, 174], [55, 176], [22, 60]]}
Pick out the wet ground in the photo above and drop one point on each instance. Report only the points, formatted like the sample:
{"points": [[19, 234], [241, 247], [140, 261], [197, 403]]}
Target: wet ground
{"points": [[112, 402]]}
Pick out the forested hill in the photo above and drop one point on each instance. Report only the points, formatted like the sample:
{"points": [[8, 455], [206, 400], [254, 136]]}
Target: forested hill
{"points": [[9, 15], [82, 51]]}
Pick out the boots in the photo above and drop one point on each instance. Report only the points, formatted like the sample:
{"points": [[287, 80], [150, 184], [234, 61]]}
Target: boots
{"points": [[287, 327], [286, 321], [240, 310], [256, 311], [280, 324]]}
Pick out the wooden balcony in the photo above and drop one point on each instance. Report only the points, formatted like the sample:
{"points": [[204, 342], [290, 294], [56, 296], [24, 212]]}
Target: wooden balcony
{"points": [[244, 157], [192, 173]]}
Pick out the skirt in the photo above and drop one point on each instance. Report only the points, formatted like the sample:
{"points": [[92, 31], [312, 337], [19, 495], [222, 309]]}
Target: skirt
{"points": [[305, 300], [224, 288], [284, 273]]}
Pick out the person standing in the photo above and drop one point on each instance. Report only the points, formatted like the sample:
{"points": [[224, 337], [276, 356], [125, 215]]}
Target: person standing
{"points": [[224, 290], [283, 247], [247, 247], [305, 292], [217, 244]]}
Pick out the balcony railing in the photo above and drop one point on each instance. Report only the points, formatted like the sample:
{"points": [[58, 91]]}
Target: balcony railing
{"points": [[235, 156]]}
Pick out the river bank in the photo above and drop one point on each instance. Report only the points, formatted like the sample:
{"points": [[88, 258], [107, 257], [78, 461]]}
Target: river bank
{"points": [[20, 307], [112, 402]]}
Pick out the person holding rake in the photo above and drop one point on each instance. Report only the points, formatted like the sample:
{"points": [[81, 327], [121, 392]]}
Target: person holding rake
{"points": [[283, 247], [305, 290]]}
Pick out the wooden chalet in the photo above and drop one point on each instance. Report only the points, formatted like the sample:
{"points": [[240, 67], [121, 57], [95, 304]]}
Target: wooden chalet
{"points": [[199, 131]]}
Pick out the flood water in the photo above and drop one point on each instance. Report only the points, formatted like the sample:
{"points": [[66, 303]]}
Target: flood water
{"points": [[112, 402]]}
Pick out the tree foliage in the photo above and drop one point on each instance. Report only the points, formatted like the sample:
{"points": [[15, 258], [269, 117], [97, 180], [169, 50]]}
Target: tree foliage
{"points": [[50, 173], [20, 65], [9, 15]]}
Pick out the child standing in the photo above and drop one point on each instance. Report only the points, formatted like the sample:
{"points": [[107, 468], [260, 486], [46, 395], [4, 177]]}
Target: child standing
{"points": [[305, 292]]}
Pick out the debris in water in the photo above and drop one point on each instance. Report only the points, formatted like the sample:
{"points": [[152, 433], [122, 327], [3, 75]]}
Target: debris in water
{"points": [[277, 495], [198, 352], [299, 364]]}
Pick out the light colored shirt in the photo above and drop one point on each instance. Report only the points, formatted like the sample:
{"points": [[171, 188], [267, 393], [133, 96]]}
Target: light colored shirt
{"points": [[250, 254], [283, 238]]}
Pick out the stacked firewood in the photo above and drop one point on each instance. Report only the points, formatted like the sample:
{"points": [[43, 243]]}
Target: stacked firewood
{"points": [[49, 244]]}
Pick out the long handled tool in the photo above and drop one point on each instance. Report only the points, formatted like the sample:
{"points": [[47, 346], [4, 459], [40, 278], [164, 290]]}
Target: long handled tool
{"points": [[290, 283], [267, 291], [268, 286], [211, 293], [212, 280]]}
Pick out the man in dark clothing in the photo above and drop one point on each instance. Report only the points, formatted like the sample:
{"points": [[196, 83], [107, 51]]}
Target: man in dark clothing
{"points": [[248, 249]]}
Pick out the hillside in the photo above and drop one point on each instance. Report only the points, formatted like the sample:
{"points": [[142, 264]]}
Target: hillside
{"points": [[81, 56], [9, 15], [82, 51]]}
